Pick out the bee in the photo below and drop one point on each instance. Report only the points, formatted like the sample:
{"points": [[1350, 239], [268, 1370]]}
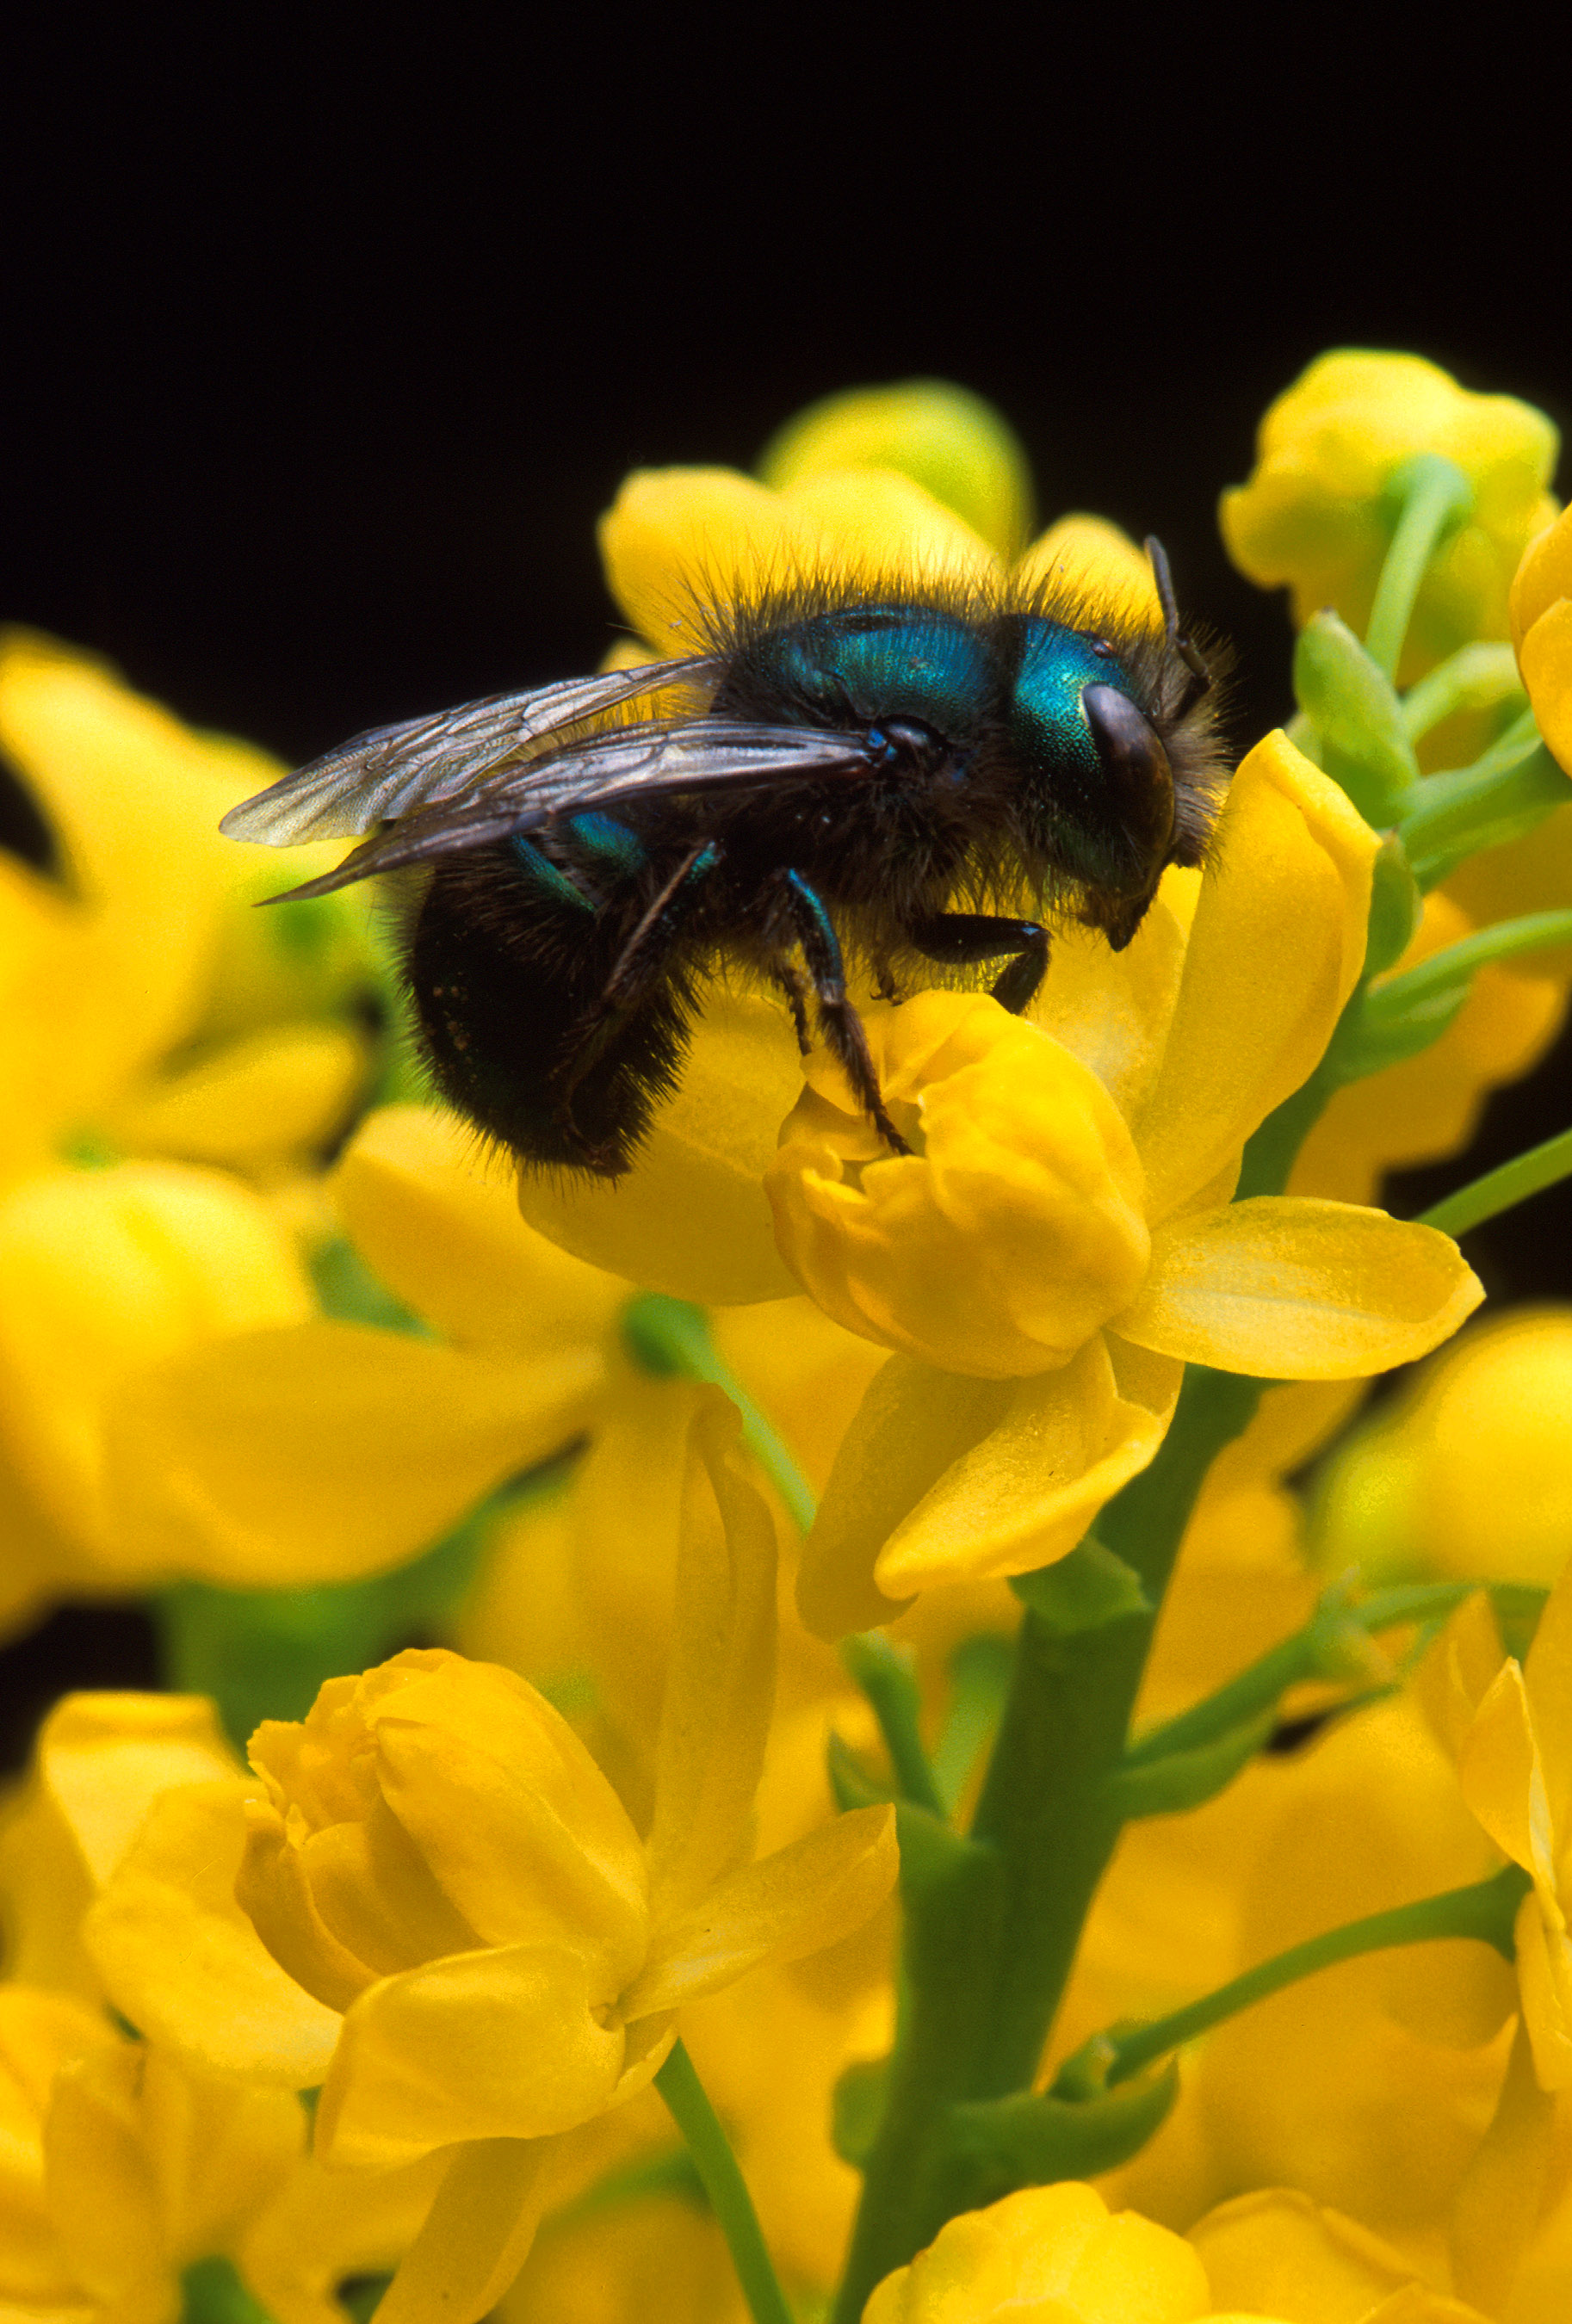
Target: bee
{"points": [[882, 777]]}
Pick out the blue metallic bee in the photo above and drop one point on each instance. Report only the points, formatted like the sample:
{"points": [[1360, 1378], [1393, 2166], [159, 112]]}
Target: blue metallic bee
{"points": [[886, 778]]}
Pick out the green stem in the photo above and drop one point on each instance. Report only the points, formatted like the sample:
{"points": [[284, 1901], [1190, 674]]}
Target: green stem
{"points": [[669, 1336], [1456, 963], [1433, 493], [1503, 796], [1477, 676], [885, 1675], [1485, 1910], [1502, 1190], [993, 1921], [729, 2198]]}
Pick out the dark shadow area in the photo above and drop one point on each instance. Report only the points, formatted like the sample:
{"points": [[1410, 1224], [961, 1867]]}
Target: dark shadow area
{"points": [[102, 1645]]}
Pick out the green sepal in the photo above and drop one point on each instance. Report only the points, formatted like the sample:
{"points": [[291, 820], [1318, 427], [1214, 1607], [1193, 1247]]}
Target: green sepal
{"points": [[1356, 714], [992, 2146], [1086, 1591], [1188, 1779], [857, 2109]]}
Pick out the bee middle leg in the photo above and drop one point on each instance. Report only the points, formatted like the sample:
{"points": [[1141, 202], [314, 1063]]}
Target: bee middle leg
{"points": [[811, 926], [960, 937]]}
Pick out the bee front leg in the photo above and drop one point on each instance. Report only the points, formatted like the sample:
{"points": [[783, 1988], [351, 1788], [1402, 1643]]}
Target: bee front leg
{"points": [[960, 937], [842, 1027]]}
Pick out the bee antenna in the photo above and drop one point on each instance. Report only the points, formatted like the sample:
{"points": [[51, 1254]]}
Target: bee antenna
{"points": [[1177, 642]]}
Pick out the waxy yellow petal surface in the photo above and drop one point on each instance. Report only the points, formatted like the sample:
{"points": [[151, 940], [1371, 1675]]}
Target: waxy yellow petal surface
{"points": [[1284, 1288]]}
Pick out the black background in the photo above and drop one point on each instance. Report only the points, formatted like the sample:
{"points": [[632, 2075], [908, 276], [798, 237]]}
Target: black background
{"points": [[324, 346]]}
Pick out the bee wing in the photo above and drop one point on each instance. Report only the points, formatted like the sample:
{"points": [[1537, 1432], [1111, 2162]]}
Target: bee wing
{"points": [[629, 762], [383, 774]]}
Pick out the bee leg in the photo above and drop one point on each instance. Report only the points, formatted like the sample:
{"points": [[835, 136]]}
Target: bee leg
{"points": [[842, 1027], [641, 963], [794, 987], [961, 937]]}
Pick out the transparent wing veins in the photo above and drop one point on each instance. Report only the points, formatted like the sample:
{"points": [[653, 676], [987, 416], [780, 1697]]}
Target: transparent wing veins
{"points": [[628, 762], [392, 772]]}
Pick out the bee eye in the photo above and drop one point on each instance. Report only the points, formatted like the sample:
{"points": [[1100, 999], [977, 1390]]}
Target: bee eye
{"points": [[1135, 763], [895, 740]]}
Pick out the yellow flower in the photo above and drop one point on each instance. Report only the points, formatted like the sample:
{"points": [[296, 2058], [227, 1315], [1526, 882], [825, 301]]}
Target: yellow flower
{"points": [[1313, 516], [336, 1446], [1370, 2084], [950, 442], [1112, 1128], [106, 1276], [144, 1009], [1468, 1473], [1058, 2253], [1509, 1725], [440, 1859], [121, 2168], [1541, 610], [145, 1004]]}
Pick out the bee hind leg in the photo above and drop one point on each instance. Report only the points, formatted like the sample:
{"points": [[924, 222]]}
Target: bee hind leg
{"points": [[958, 938], [642, 962], [811, 926]]}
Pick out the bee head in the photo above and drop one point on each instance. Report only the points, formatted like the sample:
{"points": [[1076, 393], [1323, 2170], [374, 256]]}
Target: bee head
{"points": [[1098, 793]]}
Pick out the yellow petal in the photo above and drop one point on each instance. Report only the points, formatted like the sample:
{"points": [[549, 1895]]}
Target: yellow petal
{"points": [[1052, 2254], [677, 539], [266, 1097], [690, 1218], [1013, 1234], [328, 2225], [1497, 2207], [517, 1825], [281, 1457], [874, 524], [1548, 1684], [720, 1678], [181, 1960], [677, 536], [100, 2180], [102, 1758], [1278, 2252], [1255, 1011], [102, 1273], [476, 2237], [1285, 1288], [1543, 576], [1546, 661], [1544, 1966], [950, 441], [1088, 554], [437, 1220], [503, 2043], [1112, 1010], [803, 1898], [1458, 1672], [945, 1479], [1500, 1773], [134, 799]]}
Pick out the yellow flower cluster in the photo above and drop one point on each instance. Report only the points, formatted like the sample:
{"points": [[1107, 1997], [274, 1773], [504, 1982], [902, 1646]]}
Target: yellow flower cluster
{"points": [[622, 1786]]}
